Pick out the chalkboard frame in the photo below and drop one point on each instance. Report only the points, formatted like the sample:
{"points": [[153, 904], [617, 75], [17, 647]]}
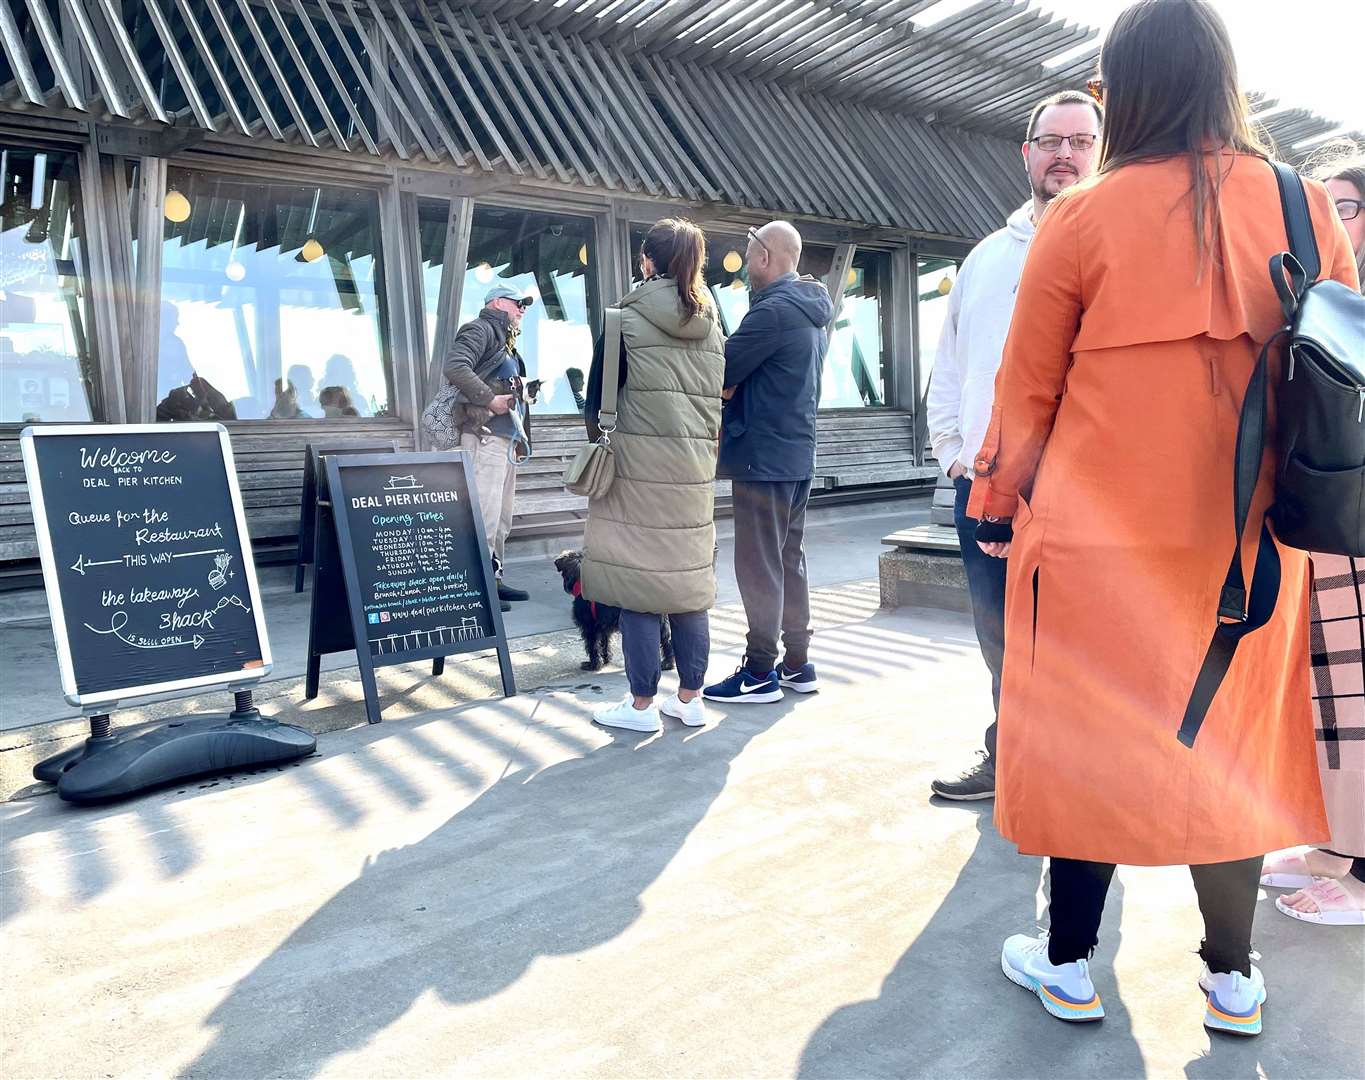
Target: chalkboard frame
{"points": [[355, 603], [107, 699], [308, 506]]}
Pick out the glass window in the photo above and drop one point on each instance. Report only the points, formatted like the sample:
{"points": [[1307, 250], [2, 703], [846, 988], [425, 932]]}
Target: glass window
{"points": [[47, 366], [726, 277], [549, 257], [936, 279], [270, 302], [859, 353], [432, 218]]}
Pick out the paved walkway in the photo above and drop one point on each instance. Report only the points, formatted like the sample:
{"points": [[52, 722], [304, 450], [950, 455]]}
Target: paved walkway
{"points": [[504, 890], [844, 542]]}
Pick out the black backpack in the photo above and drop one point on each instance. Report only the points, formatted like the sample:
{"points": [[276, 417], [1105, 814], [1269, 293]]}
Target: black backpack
{"points": [[1320, 404]]}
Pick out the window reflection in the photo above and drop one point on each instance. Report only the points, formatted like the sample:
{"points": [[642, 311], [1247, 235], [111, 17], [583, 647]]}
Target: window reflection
{"points": [[859, 356], [270, 302], [47, 366], [548, 257], [937, 276], [432, 216]]}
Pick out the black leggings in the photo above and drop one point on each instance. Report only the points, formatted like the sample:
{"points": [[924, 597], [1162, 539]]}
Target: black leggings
{"points": [[1227, 900]]}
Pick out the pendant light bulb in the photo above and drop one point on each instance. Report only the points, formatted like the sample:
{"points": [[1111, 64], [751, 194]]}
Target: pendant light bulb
{"points": [[483, 273], [732, 262], [235, 271], [945, 286], [583, 254], [176, 207], [312, 250]]}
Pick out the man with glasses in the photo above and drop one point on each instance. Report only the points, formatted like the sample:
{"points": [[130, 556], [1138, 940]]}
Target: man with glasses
{"points": [[484, 366], [767, 448], [1061, 148]]}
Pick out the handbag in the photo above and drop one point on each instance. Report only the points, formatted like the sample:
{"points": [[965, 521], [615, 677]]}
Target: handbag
{"points": [[593, 468], [1320, 478], [438, 419]]}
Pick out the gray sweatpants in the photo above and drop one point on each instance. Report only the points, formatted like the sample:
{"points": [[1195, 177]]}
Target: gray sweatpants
{"points": [[770, 566]]}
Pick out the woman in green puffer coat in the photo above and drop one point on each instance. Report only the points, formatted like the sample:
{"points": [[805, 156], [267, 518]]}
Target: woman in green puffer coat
{"points": [[649, 547]]}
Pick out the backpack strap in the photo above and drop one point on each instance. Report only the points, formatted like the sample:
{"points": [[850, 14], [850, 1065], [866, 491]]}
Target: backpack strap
{"points": [[1239, 611], [1298, 224]]}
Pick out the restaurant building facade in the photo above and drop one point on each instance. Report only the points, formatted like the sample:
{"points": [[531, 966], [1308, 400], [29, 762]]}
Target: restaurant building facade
{"points": [[275, 213]]}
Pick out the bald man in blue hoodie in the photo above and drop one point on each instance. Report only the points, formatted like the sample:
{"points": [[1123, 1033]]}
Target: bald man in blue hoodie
{"points": [[773, 363]]}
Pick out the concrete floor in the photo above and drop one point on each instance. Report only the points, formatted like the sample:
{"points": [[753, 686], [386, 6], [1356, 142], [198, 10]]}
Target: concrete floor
{"points": [[843, 544], [504, 890]]}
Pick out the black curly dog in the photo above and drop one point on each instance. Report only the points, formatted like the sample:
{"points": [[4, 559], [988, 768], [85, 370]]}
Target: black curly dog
{"points": [[598, 622]]}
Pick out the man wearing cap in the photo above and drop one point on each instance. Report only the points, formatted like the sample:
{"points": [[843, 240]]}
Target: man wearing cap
{"points": [[481, 364]]}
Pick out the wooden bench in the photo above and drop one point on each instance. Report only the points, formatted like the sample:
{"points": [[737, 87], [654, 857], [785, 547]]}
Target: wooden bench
{"points": [[269, 460], [861, 447], [857, 448]]}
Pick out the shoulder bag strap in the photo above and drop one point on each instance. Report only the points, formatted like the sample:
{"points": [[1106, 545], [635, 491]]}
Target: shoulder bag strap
{"points": [[611, 370]]}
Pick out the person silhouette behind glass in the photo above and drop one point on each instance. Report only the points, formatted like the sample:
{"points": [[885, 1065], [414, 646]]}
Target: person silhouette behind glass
{"points": [[173, 359], [340, 372], [305, 386]]}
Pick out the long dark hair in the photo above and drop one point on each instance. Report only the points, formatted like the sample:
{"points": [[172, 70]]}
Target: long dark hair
{"points": [[677, 248], [1171, 90]]}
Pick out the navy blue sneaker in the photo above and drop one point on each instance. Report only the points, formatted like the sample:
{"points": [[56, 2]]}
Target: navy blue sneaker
{"points": [[745, 688], [802, 680]]}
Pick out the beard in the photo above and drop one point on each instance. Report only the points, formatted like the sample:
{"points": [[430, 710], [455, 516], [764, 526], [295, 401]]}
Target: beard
{"points": [[1061, 176]]}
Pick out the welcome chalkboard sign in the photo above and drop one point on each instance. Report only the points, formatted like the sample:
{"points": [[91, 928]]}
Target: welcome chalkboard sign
{"points": [[419, 583], [146, 559]]}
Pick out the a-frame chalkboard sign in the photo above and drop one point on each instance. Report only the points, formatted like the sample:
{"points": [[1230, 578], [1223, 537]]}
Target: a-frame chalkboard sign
{"points": [[151, 588], [313, 454], [403, 533]]}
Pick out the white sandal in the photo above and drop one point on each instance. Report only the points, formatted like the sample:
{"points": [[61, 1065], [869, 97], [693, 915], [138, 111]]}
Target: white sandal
{"points": [[1336, 907]]}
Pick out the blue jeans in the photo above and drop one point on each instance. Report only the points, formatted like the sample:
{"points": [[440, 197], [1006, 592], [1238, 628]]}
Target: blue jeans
{"points": [[640, 641], [986, 585]]}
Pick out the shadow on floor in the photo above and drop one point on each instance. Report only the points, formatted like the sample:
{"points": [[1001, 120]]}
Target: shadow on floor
{"points": [[542, 864], [945, 1009]]}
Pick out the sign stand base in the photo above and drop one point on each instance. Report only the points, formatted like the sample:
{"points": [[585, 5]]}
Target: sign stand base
{"points": [[108, 766]]}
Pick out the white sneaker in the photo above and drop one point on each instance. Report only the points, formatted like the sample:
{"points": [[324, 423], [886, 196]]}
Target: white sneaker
{"points": [[625, 715], [692, 713], [1064, 989], [1234, 1001]]}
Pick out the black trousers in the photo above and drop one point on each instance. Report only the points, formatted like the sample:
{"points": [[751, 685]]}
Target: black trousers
{"points": [[1227, 900], [770, 568]]}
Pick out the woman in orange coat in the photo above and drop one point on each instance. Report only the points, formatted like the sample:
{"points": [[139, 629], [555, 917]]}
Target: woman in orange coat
{"points": [[1143, 305]]}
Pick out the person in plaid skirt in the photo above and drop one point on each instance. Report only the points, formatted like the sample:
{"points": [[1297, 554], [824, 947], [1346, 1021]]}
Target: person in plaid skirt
{"points": [[1331, 880]]}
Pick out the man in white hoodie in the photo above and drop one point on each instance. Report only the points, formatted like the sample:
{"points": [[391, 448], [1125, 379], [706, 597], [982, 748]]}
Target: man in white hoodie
{"points": [[1061, 148]]}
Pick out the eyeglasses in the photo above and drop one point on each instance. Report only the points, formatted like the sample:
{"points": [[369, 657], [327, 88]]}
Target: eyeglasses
{"points": [[753, 235], [1050, 143], [1095, 88], [1349, 209]]}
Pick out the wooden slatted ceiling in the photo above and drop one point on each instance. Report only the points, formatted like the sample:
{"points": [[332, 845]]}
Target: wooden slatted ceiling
{"points": [[845, 109]]}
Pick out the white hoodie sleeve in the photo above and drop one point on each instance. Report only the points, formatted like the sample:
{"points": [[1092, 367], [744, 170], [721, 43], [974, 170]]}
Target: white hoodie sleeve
{"points": [[943, 404]]}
